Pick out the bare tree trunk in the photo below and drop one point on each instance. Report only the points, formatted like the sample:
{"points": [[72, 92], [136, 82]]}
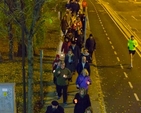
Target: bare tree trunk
{"points": [[11, 8], [30, 75], [10, 35], [36, 11]]}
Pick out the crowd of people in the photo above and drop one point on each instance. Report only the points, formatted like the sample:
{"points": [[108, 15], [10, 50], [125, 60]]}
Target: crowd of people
{"points": [[76, 61], [78, 55]]}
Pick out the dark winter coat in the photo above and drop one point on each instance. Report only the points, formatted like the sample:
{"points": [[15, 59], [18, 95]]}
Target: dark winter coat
{"points": [[74, 7], [79, 40], [64, 25], [58, 110], [80, 67], [70, 64], [82, 104], [83, 19], [76, 52], [90, 44]]}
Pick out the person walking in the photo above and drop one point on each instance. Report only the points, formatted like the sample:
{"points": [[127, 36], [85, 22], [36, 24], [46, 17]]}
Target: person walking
{"points": [[83, 64], [79, 39], [56, 64], [65, 45], [76, 51], [86, 54], [81, 101], [132, 44], [54, 108], [70, 62], [62, 75], [90, 44], [84, 5], [64, 24], [83, 80]]}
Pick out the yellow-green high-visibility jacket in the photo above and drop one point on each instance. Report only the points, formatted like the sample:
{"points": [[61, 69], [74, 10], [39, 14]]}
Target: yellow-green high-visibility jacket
{"points": [[132, 44]]}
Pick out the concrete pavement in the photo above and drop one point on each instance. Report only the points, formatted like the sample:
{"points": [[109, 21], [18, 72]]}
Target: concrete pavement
{"points": [[95, 91]]}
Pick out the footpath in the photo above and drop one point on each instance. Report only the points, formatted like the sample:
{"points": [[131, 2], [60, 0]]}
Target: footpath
{"points": [[95, 92]]}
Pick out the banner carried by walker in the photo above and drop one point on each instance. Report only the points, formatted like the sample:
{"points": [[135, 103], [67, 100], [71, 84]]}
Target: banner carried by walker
{"points": [[7, 98]]}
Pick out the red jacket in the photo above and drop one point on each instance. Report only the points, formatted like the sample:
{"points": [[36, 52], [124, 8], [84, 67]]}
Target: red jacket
{"points": [[65, 47]]}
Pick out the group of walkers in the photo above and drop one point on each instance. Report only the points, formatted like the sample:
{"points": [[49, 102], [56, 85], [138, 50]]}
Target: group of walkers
{"points": [[78, 55], [76, 61]]}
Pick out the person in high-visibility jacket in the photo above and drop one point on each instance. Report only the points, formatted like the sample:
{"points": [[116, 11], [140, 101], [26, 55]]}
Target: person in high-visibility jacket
{"points": [[132, 44], [84, 5]]}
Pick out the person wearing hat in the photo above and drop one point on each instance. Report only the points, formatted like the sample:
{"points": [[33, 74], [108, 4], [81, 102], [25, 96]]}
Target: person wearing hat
{"points": [[55, 108]]}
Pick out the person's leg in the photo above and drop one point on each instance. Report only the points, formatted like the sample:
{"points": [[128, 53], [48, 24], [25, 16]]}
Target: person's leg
{"points": [[91, 55], [56, 93], [59, 88], [131, 57], [65, 93]]}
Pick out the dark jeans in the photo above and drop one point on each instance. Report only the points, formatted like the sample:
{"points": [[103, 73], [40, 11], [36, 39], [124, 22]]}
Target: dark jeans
{"points": [[62, 89]]}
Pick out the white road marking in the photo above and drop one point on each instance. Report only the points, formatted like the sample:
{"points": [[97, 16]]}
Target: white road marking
{"points": [[118, 59], [123, 1], [110, 42], [115, 52], [131, 86], [108, 38], [134, 18], [136, 96], [125, 74], [112, 47], [121, 66]]}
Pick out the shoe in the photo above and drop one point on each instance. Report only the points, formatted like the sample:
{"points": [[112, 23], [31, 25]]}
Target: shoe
{"points": [[64, 104]]}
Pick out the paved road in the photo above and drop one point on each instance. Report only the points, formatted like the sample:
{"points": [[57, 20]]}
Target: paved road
{"points": [[128, 13], [120, 84]]}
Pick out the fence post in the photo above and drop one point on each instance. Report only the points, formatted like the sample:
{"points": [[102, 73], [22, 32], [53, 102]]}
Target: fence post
{"points": [[41, 76]]}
